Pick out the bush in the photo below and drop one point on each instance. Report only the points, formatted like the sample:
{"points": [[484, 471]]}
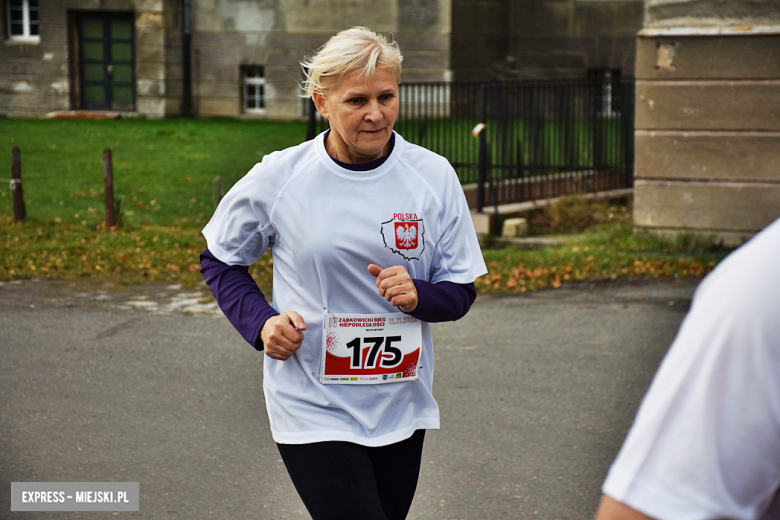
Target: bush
{"points": [[574, 213]]}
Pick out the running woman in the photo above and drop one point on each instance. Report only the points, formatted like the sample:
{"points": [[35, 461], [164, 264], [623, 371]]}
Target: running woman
{"points": [[372, 240]]}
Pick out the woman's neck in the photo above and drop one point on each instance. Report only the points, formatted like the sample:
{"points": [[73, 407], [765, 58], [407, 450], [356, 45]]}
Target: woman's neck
{"points": [[337, 148], [366, 166]]}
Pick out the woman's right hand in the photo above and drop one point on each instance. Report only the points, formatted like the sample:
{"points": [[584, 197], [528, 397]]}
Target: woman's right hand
{"points": [[282, 335]]}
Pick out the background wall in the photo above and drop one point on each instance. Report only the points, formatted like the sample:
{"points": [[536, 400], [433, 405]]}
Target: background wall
{"points": [[681, 13], [542, 39], [278, 33], [171, 63], [34, 75], [708, 117]]}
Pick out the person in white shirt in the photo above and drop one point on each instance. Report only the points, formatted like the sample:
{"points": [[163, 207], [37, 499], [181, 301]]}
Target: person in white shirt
{"points": [[706, 440], [372, 239]]}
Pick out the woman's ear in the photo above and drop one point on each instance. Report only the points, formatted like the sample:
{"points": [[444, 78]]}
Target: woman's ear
{"points": [[319, 102]]}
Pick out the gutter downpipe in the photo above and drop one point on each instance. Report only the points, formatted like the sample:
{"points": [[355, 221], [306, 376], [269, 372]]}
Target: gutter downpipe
{"points": [[186, 99]]}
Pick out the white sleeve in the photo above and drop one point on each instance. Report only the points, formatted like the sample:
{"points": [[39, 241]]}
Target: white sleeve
{"points": [[457, 257], [706, 440], [240, 230]]}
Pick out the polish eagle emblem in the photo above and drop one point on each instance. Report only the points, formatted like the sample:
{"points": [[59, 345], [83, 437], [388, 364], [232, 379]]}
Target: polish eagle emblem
{"points": [[404, 235]]}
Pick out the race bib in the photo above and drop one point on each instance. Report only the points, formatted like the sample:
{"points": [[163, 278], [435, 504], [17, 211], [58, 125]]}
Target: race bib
{"points": [[369, 349]]}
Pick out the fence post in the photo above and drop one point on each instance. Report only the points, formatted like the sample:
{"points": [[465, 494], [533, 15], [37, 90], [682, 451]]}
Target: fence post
{"points": [[598, 122], [627, 121], [108, 180], [483, 159], [216, 191], [16, 184], [311, 129]]}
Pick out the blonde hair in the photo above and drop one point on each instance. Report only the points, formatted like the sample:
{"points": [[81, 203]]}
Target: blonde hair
{"points": [[357, 49]]}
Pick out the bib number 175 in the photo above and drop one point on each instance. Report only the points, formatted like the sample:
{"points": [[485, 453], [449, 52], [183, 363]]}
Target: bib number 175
{"points": [[380, 347]]}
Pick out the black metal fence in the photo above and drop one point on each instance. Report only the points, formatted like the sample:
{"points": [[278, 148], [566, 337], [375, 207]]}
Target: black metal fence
{"points": [[541, 139]]}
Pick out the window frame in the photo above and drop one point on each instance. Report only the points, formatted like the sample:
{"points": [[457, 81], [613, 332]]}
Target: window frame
{"points": [[259, 84], [27, 24]]}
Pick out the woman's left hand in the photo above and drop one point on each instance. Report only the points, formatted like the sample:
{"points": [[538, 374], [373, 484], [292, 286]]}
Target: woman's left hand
{"points": [[396, 286]]}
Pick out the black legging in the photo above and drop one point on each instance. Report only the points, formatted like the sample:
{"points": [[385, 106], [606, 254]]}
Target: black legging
{"points": [[344, 481]]}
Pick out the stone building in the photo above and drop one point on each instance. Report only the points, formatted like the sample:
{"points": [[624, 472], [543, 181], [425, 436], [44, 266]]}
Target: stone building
{"points": [[90, 54], [130, 55], [708, 117], [268, 38]]}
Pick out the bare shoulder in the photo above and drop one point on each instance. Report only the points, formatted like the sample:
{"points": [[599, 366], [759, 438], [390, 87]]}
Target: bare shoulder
{"points": [[613, 510]]}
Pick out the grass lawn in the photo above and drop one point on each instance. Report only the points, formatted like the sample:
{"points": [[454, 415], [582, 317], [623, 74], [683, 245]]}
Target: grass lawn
{"points": [[145, 252], [163, 173], [605, 252], [163, 169]]}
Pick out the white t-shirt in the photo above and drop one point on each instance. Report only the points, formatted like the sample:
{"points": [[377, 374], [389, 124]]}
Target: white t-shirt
{"points": [[706, 440], [324, 225]]}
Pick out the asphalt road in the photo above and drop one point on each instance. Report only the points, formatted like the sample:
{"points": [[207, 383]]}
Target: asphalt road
{"points": [[536, 393]]}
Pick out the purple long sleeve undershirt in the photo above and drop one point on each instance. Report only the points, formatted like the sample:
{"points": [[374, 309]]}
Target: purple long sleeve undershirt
{"points": [[246, 308]]}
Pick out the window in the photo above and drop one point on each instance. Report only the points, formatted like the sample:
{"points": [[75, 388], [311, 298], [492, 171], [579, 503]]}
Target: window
{"points": [[23, 20], [254, 90]]}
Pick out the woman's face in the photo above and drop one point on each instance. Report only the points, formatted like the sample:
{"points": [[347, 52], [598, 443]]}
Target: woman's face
{"points": [[361, 112]]}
